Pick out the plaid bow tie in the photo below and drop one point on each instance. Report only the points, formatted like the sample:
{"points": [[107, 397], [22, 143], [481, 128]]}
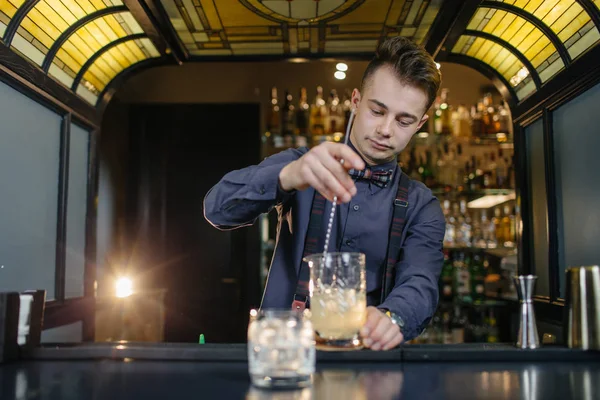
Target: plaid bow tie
{"points": [[379, 178]]}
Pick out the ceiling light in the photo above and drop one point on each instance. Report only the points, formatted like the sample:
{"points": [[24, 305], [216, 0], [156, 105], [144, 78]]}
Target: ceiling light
{"points": [[342, 67], [339, 75]]}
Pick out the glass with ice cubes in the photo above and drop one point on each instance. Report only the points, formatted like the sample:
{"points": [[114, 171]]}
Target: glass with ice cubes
{"points": [[338, 301], [281, 348]]}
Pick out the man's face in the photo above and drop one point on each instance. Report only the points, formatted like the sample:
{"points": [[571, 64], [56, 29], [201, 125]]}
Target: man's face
{"points": [[388, 114]]}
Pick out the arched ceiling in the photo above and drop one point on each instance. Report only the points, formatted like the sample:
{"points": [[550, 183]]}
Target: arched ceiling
{"points": [[85, 44], [529, 41]]}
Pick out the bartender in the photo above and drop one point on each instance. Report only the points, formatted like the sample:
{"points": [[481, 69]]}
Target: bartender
{"points": [[398, 87]]}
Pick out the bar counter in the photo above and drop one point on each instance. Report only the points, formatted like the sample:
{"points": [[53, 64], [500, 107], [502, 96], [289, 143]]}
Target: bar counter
{"points": [[220, 371]]}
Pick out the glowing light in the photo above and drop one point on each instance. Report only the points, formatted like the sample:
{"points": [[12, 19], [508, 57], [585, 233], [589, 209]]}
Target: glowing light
{"points": [[342, 67], [339, 75], [438, 65], [124, 287]]}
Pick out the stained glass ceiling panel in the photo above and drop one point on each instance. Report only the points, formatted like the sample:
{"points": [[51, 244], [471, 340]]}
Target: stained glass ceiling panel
{"points": [[521, 34], [244, 27], [36, 38], [499, 58], [8, 8], [44, 24], [566, 18], [111, 62]]}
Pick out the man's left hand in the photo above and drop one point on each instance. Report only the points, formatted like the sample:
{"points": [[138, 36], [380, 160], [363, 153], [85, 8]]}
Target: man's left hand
{"points": [[379, 332]]}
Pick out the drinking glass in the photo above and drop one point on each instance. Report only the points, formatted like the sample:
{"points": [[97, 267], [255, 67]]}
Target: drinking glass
{"points": [[281, 349], [338, 301]]}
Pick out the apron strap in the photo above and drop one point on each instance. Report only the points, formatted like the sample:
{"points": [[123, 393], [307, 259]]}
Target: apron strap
{"points": [[395, 240], [302, 295]]}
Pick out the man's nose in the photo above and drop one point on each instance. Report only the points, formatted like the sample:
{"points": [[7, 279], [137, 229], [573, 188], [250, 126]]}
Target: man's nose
{"points": [[385, 128]]}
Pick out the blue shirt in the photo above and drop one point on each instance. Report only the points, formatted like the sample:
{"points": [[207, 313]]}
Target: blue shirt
{"points": [[360, 226]]}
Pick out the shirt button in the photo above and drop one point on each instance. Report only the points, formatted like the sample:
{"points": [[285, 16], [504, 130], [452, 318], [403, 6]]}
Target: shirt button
{"points": [[356, 207], [348, 242], [262, 190]]}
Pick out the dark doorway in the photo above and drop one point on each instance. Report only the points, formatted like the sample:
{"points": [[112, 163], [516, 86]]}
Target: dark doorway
{"points": [[178, 152]]}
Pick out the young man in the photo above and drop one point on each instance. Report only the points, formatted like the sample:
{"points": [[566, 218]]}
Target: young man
{"points": [[398, 87]]}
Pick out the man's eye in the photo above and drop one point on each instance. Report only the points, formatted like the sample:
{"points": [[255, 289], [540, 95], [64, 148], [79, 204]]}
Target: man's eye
{"points": [[377, 112], [405, 123]]}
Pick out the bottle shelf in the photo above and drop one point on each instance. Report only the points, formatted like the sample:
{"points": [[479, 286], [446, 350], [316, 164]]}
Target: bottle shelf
{"points": [[498, 140], [500, 251]]}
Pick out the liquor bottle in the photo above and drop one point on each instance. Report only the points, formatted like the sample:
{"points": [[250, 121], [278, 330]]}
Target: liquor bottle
{"points": [[288, 125], [426, 170], [455, 221], [447, 332], [318, 114], [462, 283], [445, 113], [466, 297], [496, 219], [487, 174], [489, 229], [457, 325], [335, 119], [302, 119], [479, 330], [477, 127], [461, 122], [450, 235], [437, 116], [347, 108], [488, 115], [492, 331], [503, 120], [446, 278], [437, 329], [465, 225], [274, 120], [477, 279], [507, 230], [477, 239], [493, 171]]}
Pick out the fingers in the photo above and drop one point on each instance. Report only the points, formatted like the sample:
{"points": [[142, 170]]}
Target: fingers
{"points": [[340, 174], [373, 316], [321, 168], [311, 179], [395, 341], [379, 332], [344, 152]]}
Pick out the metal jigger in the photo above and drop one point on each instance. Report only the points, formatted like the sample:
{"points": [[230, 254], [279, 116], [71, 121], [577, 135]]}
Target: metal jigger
{"points": [[528, 335]]}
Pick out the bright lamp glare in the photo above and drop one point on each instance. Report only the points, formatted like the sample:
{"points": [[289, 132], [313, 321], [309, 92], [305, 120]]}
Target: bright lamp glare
{"points": [[342, 67], [340, 75], [124, 287]]}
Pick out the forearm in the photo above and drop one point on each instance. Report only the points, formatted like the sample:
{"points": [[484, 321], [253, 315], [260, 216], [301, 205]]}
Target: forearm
{"points": [[242, 195], [414, 299], [415, 294]]}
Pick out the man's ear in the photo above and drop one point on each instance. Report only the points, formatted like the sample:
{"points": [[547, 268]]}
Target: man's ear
{"points": [[355, 99], [423, 120]]}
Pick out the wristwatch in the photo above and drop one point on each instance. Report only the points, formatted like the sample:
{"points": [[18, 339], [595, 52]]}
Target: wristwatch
{"points": [[396, 319]]}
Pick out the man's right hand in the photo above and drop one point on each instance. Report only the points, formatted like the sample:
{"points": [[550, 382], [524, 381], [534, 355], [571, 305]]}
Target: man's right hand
{"points": [[321, 168]]}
